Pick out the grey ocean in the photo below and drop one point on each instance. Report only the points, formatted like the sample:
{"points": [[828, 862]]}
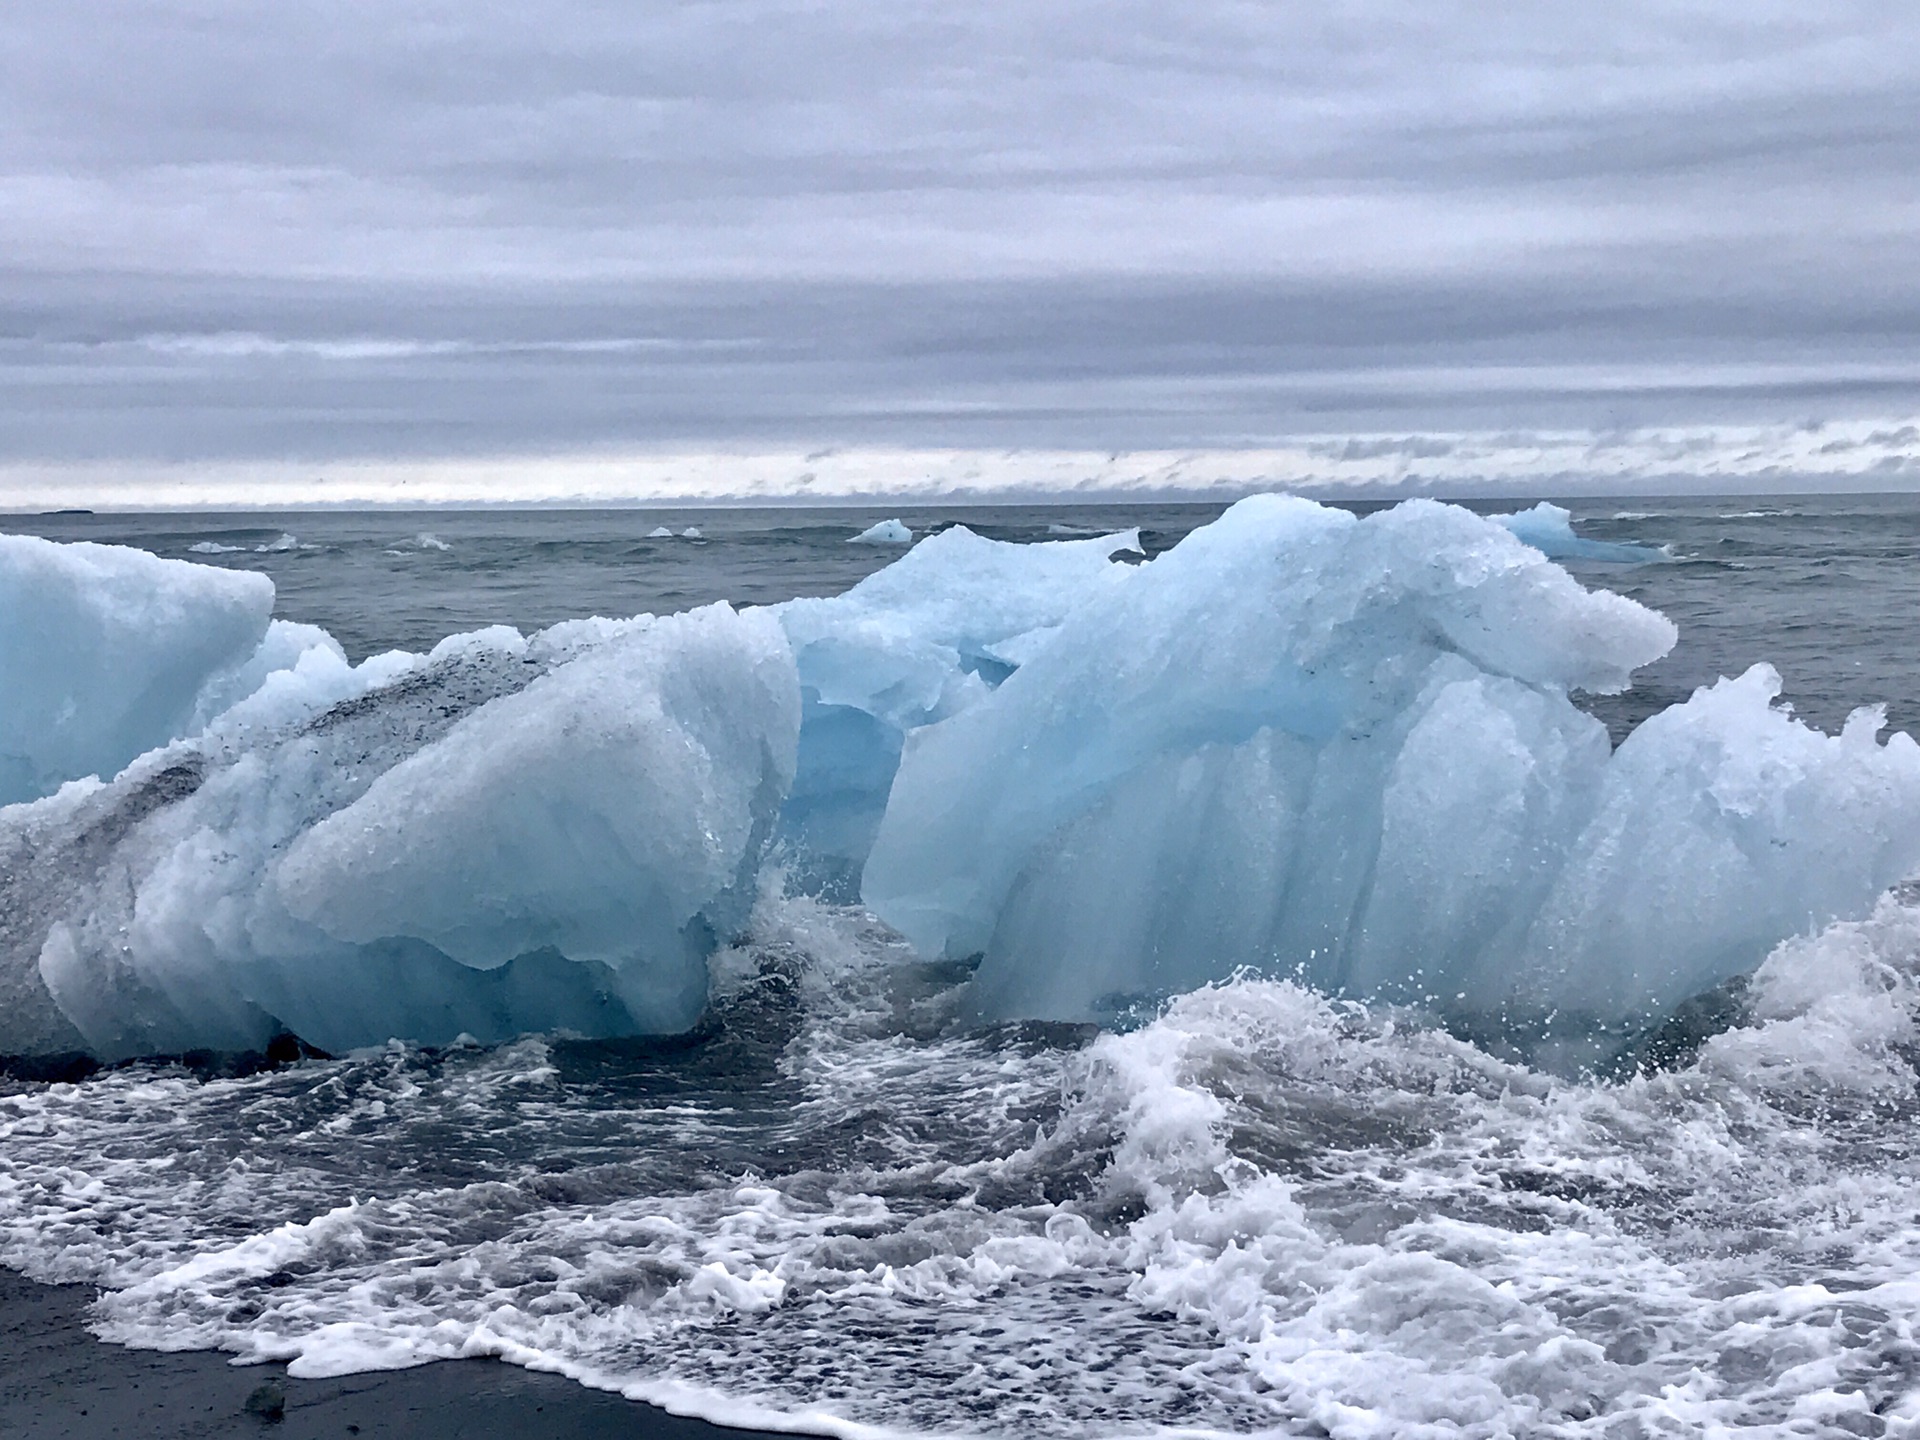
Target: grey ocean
{"points": [[842, 1204]]}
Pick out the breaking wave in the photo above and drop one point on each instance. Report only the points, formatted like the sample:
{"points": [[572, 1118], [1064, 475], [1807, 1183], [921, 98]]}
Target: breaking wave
{"points": [[1262, 1210]]}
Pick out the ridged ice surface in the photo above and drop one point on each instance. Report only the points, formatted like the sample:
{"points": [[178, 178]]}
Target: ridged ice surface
{"points": [[1346, 749]]}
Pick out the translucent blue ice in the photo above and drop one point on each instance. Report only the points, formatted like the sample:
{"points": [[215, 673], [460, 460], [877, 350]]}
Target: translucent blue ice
{"points": [[912, 644], [499, 837], [1548, 528], [1344, 749], [104, 652], [1335, 748]]}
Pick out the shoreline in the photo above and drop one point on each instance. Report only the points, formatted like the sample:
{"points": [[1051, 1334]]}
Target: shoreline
{"points": [[60, 1383]]}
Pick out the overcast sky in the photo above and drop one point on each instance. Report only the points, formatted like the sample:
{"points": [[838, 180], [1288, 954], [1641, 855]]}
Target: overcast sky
{"points": [[346, 236]]}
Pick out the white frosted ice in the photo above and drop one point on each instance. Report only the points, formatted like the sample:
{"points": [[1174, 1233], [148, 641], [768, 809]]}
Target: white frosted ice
{"points": [[595, 813], [886, 532], [1343, 749], [498, 837], [104, 651], [897, 644], [660, 532], [288, 646], [692, 532], [1722, 826]]}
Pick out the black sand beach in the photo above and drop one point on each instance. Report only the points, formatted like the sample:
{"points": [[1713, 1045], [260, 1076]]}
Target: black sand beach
{"points": [[59, 1383]]}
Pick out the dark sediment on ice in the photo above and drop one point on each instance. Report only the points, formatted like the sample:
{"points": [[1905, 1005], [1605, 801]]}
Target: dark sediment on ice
{"points": [[59, 1383]]}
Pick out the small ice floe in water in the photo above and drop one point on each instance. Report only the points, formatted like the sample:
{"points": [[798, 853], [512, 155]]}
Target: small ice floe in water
{"points": [[279, 545], [1070, 530], [692, 532], [424, 541], [887, 532], [214, 547], [660, 532], [1549, 529]]}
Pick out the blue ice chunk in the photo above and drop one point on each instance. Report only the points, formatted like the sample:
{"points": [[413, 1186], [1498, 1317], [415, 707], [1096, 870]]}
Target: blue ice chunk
{"points": [[1344, 748], [1548, 528], [496, 838], [916, 642], [104, 652]]}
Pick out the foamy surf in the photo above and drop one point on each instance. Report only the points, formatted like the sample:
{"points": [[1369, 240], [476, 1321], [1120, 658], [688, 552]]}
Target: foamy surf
{"points": [[1260, 1211]]}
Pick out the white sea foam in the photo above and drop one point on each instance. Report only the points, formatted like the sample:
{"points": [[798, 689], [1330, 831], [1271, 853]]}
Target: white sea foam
{"points": [[1261, 1211]]}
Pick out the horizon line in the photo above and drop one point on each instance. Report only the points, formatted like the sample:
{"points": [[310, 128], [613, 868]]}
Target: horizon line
{"points": [[1860, 456]]}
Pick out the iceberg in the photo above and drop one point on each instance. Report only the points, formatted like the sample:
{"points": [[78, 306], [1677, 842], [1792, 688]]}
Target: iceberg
{"points": [[887, 532], [1344, 750], [506, 835], [104, 652], [1340, 750], [1548, 528]]}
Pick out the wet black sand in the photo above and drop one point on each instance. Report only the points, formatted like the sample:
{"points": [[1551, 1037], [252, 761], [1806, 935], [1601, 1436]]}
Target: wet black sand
{"points": [[59, 1383]]}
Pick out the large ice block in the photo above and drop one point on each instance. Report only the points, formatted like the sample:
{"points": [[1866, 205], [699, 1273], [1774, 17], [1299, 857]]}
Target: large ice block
{"points": [[500, 837], [1344, 749]]}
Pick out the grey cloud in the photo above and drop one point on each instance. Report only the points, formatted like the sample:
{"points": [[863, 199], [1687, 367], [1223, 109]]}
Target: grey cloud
{"points": [[423, 226]]}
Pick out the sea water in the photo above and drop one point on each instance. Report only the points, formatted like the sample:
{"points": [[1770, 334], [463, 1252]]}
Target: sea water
{"points": [[841, 1204]]}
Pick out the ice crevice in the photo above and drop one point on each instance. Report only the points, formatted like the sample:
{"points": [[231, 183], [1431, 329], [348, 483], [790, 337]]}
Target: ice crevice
{"points": [[1336, 749]]}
